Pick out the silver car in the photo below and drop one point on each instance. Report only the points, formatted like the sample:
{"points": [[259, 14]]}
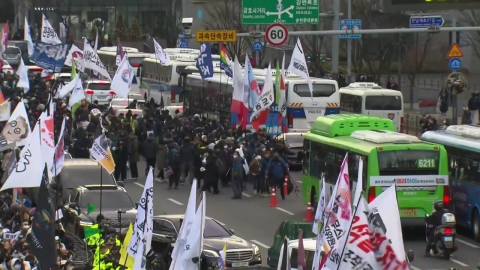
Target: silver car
{"points": [[13, 55], [99, 90]]}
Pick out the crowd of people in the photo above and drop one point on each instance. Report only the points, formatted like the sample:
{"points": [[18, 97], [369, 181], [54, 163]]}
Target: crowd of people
{"points": [[178, 148]]}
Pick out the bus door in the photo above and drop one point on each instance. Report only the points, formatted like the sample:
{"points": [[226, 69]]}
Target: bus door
{"points": [[390, 107]]}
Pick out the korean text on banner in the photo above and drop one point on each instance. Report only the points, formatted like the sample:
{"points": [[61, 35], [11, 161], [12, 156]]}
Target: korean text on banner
{"points": [[101, 152], [298, 65], [48, 33], [92, 61], [49, 56], [160, 54], [204, 61], [267, 97]]}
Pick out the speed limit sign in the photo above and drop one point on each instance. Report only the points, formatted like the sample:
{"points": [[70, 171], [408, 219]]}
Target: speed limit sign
{"points": [[276, 34]]}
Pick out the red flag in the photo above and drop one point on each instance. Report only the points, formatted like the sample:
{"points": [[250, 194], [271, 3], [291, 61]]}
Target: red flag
{"points": [[3, 43], [301, 261]]}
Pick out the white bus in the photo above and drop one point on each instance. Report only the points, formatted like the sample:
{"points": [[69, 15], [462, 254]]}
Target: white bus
{"points": [[109, 60], [302, 109], [371, 99], [213, 97]]}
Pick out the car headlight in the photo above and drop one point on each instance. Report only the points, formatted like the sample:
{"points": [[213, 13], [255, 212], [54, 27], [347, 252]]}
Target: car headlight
{"points": [[86, 223], [256, 250], [210, 253]]}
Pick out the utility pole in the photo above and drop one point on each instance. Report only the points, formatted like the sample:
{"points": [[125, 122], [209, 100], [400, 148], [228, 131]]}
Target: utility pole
{"points": [[349, 46], [335, 38], [454, 97]]}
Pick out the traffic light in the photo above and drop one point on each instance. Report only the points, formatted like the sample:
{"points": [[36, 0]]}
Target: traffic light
{"points": [[309, 57]]}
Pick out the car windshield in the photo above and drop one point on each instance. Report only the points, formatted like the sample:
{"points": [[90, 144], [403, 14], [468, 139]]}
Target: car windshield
{"points": [[111, 199], [73, 176], [12, 50], [98, 86], [293, 141], [213, 229], [120, 102]]}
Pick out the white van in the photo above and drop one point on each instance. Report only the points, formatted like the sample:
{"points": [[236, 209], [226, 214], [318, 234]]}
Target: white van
{"points": [[309, 245], [371, 99]]}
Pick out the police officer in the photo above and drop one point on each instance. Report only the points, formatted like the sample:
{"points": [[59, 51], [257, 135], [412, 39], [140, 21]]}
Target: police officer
{"points": [[433, 221], [155, 261]]}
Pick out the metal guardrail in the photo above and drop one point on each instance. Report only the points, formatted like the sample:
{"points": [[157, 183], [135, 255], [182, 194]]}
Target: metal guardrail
{"points": [[411, 125], [81, 254]]}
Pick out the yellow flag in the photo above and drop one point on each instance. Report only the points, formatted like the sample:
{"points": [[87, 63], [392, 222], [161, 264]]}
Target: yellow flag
{"points": [[101, 153], [125, 259]]}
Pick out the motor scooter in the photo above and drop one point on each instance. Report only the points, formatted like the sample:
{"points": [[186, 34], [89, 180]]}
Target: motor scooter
{"points": [[443, 244]]}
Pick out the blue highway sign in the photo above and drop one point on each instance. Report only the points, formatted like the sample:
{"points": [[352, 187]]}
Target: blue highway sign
{"points": [[257, 46], [349, 26], [455, 64], [426, 21]]}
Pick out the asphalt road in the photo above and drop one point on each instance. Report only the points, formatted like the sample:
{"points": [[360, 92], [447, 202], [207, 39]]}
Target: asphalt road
{"points": [[253, 220]]}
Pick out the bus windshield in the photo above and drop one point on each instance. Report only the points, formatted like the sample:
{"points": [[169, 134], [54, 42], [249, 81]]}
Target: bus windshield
{"points": [[383, 103], [409, 162], [319, 90]]}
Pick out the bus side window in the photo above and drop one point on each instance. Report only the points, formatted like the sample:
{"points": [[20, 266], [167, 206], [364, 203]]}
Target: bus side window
{"points": [[317, 163]]}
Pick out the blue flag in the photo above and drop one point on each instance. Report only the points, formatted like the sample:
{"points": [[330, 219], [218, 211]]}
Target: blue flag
{"points": [[204, 61], [49, 56]]}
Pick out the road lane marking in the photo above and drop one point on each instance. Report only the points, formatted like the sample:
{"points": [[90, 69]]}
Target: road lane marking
{"points": [[414, 268], [285, 211], [246, 195], [466, 243], [140, 185], [175, 201], [159, 181], [298, 181], [258, 243], [459, 262]]}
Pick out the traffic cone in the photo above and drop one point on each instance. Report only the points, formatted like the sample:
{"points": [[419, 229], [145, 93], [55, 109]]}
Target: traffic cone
{"points": [[273, 198], [285, 186], [309, 215]]}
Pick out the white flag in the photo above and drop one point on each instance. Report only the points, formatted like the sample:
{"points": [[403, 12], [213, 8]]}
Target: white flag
{"points": [[385, 208], [337, 223], [75, 54], [319, 221], [144, 214], [92, 61], [193, 247], [47, 140], [298, 65], [49, 35], [267, 97], [22, 72], [354, 250], [359, 185], [5, 109], [59, 157], [122, 80], [77, 93], [183, 233], [27, 36], [17, 128], [28, 171], [160, 54], [66, 89], [143, 229]]}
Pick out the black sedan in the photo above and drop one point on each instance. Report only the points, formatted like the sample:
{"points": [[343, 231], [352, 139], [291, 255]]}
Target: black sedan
{"points": [[84, 205], [240, 252]]}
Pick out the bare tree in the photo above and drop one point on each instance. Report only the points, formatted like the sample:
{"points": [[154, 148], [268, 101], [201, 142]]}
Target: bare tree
{"points": [[226, 14], [472, 18], [168, 28], [414, 58]]}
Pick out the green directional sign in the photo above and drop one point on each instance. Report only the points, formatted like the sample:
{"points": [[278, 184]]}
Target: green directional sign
{"points": [[280, 11]]}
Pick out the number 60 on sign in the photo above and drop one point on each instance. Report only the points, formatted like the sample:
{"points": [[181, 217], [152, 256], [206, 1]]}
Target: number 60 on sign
{"points": [[276, 34]]}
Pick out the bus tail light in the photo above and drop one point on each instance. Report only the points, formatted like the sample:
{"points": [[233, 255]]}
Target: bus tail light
{"points": [[89, 92], [371, 194], [290, 120], [446, 197], [401, 124]]}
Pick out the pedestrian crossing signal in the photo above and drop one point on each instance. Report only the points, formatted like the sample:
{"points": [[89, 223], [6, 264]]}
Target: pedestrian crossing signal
{"points": [[454, 51]]}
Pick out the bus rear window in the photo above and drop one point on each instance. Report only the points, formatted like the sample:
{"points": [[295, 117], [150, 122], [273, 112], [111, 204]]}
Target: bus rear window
{"points": [[413, 162], [383, 103], [319, 90]]}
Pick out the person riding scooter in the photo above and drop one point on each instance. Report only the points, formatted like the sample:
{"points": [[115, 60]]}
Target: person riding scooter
{"points": [[433, 221]]}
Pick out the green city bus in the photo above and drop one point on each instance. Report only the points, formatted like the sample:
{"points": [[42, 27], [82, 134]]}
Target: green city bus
{"points": [[418, 168]]}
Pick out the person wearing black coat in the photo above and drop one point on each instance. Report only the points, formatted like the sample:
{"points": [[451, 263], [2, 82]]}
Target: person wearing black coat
{"points": [[211, 173]]}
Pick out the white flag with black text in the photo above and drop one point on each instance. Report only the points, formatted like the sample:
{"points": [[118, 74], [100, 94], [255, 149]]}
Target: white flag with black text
{"points": [[77, 93], [49, 35], [298, 65], [160, 54], [92, 61]]}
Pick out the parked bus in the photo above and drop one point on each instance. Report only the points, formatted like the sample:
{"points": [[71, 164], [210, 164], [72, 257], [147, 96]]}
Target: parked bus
{"points": [[463, 149], [371, 99], [109, 60], [418, 168]]}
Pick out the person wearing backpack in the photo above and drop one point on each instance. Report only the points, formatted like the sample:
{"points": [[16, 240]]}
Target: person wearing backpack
{"points": [[173, 164], [276, 172]]}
